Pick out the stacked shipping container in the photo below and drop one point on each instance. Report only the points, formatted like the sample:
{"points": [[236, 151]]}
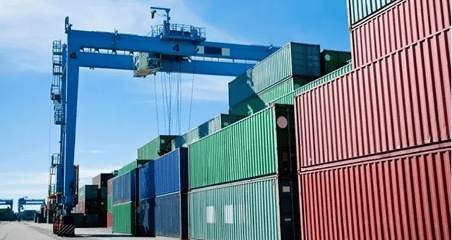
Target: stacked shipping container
{"points": [[101, 182], [251, 157], [110, 203], [124, 196], [205, 129], [374, 145], [151, 150], [291, 66], [401, 24], [163, 196]]}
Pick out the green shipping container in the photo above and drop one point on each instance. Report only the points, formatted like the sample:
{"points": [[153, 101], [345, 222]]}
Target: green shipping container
{"points": [[131, 166], [360, 10], [292, 60], [260, 209], [331, 60], [313, 84], [259, 145], [209, 127], [260, 100], [109, 203], [150, 150], [124, 220]]}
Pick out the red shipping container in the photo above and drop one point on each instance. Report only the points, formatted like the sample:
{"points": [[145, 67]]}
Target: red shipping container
{"points": [[400, 101], [399, 26], [110, 186], [109, 219], [400, 195]]}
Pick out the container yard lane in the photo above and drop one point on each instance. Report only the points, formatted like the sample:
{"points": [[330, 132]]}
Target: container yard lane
{"points": [[32, 231]]}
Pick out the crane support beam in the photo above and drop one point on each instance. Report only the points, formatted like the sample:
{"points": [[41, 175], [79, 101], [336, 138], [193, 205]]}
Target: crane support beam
{"points": [[135, 43], [125, 62]]}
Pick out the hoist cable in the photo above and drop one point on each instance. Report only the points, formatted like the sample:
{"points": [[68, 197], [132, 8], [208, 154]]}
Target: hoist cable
{"points": [[191, 97], [156, 105]]}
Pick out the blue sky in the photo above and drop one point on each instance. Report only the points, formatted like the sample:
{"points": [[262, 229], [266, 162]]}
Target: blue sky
{"points": [[116, 112]]}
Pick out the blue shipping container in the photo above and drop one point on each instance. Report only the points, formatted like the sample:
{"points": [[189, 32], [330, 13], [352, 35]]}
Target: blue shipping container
{"points": [[167, 174], [145, 212], [124, 189], [171, 172], [146, 183], [171, 216]]}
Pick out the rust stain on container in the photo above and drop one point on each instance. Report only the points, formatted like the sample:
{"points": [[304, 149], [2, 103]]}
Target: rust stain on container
{"points": [[401, 25], [402, 100], [399, 195]]}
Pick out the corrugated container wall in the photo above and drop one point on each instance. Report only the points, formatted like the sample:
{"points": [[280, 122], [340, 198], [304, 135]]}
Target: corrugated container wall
{"points": [[171, 215], [87, 192], [150, 150], [259, 145], [110, 195], [131, 166], [288, 98], [405, 23], [262, 99], [358, 10], [171, 172], [292, 60], [146, 182], [124, 218], [145, 219], [400, 101], [398, 195], [205, 129], [245, 210], [331, 60], [124, 188], [109, 219]]}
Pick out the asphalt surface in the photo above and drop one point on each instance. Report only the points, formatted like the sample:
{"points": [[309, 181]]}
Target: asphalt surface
{"points": [[41, 231]]}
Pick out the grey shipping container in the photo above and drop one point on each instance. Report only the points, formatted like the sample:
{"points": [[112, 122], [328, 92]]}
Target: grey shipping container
{"points": [[261, 209]]}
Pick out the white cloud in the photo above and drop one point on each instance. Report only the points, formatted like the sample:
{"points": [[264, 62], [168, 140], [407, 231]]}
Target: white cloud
{"points": [[94, 151], [87, 173], [28, 27]]}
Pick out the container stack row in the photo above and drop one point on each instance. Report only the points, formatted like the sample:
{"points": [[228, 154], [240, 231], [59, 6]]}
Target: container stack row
{"points": [[239, 180], [286, 70], [243, 180], [162, 204], [91, 209], [374, 146]]}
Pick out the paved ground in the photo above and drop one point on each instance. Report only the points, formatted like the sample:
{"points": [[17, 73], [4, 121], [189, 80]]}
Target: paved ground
{"points": [[42, 231]]}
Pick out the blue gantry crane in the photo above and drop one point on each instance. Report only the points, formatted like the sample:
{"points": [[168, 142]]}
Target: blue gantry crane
{"points": [[25, 201], [8, 202], [167, 48]]}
